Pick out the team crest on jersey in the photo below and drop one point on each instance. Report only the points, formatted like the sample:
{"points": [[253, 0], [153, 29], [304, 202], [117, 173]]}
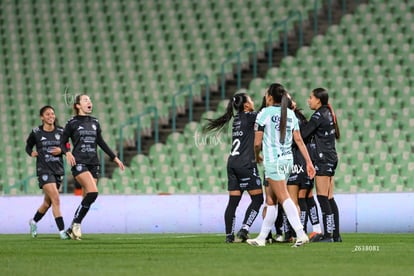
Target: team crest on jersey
{"points": [[94, 126], [57, 136], [276, 120], [45, 177], [79, 168]]}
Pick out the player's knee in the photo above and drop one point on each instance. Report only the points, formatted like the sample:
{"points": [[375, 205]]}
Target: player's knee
{"points": [[89, 199], [257, 200]]}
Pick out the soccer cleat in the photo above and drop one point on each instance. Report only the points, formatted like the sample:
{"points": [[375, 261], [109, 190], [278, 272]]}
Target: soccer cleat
{"points": [[326, 239], [242, 235], [337, 239], [33, 228], [315, 237], [256, 242], [229, 238], [301, 241], [70, 234], [76, 230], [282, 239], [270, 239], [63, 235], [279, 238]]}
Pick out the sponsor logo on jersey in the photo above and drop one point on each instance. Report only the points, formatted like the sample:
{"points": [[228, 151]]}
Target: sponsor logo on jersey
{"points": [[237, 133]]}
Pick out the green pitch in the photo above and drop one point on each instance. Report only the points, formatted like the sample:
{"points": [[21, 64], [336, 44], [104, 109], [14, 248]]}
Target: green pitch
{"points": [[201, 254]]}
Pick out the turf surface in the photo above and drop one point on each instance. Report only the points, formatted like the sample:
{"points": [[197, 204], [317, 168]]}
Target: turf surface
{"points": [[201, 254]]}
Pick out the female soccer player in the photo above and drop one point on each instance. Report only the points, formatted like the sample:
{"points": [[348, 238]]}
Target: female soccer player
{"points": [[85, 133], [275, 127], [324, 129], [49, 167], [300, 185], [242, 170]]}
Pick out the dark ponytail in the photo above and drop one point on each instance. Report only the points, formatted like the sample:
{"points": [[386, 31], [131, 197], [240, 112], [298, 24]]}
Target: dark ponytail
{"points": [[236, 102], [279, 95], [77, 101], [283, 118], [337, 133]]}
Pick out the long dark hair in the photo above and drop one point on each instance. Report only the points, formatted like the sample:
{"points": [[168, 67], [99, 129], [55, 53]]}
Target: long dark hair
{"points": [[77, 101], [323, 96], [236, 102], [279, 95], [43, 110]]}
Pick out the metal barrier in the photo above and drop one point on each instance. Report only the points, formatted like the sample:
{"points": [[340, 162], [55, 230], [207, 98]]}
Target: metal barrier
{"points": [[137, 120], [189, 88], [237, 54], [315, 13], [285, 35]]}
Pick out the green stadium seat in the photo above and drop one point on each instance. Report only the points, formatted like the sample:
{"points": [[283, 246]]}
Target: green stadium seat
{"points": [[123, 181], [166, 184], [105, 186]]}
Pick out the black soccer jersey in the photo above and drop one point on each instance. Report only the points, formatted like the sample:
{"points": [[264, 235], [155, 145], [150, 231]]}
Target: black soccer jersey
{"points": [[46, 163], [297, 155], [85, 133], [242, 149], [321, 127]]}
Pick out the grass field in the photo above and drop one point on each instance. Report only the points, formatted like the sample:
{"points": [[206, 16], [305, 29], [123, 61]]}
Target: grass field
{"points": [[202, 254]]}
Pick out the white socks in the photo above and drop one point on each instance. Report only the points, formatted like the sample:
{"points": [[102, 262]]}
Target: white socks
{"points": [[268, 222], [293, 216]]}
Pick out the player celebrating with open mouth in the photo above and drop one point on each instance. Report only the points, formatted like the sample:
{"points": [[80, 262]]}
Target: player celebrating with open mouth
{"points": [[85, 133]]}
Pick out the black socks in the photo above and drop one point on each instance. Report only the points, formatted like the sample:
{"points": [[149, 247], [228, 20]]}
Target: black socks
{"points": [[327, 216], [230, 213], [84, 207]]}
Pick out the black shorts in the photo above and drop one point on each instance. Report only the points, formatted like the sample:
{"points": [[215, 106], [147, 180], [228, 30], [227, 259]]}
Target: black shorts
{"points": [[49, 178], [80, 168], [300, 177], [325, 168], [243, 179]]}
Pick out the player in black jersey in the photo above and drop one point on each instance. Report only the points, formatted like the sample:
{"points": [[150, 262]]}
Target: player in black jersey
{"points": [[49, 167], [242, 170], [85, 134], [300, 187], [323, 130]]}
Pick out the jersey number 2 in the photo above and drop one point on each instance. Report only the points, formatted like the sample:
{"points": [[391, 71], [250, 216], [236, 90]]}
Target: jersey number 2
{"points": [[235, 148]]}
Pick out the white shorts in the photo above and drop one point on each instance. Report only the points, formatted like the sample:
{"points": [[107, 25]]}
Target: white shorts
{"points": [[279, 170]]}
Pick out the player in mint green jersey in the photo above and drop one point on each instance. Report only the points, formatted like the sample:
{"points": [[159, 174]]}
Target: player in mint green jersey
{"points": [[275, 129]]}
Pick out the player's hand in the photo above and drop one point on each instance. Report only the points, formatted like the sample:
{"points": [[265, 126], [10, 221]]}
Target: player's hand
{"points": [[34, 154], [259, 159], [70, 159], [55, 151], [310, 169], [119, 163]]}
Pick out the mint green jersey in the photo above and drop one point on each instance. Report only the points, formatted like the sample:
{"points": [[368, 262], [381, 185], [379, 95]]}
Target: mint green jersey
{"points": [[269, 119]]}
